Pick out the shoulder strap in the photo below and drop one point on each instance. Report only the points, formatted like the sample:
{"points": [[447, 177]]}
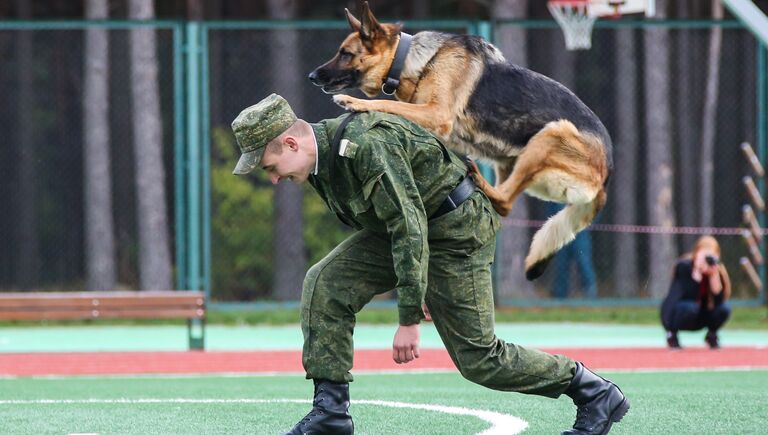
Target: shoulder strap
{"points": [[335, 155], [335, 146]]}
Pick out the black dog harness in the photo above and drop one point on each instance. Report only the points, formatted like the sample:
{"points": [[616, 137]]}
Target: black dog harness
{"points": [[393, 76], [454, 199]]}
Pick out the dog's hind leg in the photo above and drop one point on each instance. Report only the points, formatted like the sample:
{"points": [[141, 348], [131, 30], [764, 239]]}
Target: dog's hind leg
{"points": [[491, 192], [558, 231], [497, 198], [558, 164], [514, 176]]}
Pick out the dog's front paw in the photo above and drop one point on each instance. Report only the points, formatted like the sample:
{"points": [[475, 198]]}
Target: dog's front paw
{"points": [[350, 103]]}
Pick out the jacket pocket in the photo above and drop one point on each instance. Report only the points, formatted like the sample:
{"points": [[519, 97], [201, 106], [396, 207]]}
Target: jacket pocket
{"points": [[361, 202]]}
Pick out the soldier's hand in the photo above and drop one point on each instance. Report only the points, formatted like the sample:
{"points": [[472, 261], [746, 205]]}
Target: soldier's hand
{"points": [[405, 347], [427, 316]]}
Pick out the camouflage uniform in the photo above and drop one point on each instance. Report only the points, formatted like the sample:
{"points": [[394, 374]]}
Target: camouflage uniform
{"points": [[390, 176]]}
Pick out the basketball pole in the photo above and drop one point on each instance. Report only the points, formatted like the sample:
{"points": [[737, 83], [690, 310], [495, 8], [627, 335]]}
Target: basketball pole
{"points": [[757, 23]]}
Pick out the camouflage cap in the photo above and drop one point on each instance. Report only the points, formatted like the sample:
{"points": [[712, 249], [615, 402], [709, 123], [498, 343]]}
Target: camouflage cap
{"points": [[256, 126]]}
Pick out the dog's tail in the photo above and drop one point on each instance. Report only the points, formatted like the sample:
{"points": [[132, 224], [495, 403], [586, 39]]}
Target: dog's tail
{"points": [[558, 231]]}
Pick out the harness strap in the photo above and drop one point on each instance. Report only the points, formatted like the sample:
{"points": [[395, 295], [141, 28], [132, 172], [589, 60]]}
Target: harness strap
{"points": [[335, 154], [335, 144]]}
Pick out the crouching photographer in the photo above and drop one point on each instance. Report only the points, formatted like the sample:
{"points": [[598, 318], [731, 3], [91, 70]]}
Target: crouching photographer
{"points": [[698, 294]]}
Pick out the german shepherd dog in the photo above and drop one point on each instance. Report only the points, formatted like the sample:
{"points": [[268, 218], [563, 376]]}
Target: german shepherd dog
{"points": [[541, 138]]}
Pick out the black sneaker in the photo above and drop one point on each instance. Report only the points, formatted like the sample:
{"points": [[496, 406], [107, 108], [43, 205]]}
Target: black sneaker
{"points": [[672, 341], [712, 340]]}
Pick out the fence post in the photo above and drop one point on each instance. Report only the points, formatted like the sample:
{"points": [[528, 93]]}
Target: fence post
{"points": [[762, 139], [206, 161], [179, 156], [192, 72], [197, 170]]}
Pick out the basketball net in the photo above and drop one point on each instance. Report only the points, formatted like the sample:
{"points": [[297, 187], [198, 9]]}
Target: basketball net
{"points": [[574, 18]]}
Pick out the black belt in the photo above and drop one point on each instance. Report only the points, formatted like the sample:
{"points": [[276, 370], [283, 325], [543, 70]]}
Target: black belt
{"points": [[456, 197]]}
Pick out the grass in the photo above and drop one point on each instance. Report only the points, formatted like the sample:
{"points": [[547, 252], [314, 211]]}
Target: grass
{"points": [[723, 402], [754, 318], [742, 317]]}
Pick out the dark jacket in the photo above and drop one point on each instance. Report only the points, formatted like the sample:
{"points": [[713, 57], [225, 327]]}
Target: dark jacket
{"points": [[683, 288]]}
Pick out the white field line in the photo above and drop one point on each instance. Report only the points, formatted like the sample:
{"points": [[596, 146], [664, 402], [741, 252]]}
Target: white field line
{"points": [[500, 423]]}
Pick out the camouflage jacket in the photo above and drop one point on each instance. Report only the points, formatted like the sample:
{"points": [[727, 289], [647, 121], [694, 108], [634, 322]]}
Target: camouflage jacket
{"points": [[390, 176]]}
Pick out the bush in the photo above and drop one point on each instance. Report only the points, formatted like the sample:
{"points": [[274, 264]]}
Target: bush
{"points": [[242, 226]]}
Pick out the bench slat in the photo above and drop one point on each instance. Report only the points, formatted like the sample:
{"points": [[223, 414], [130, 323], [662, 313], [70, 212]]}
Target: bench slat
{"points": [[101, 299], [188, 313], [100, 302]]}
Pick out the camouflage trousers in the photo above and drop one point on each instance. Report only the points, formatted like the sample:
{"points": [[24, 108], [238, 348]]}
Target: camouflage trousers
{"points": [[459, 297]]}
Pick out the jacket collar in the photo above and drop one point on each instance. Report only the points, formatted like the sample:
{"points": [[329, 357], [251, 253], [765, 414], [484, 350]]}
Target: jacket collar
{"points": [[323, 148]]}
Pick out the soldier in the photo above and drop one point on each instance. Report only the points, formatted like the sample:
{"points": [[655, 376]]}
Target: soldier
{"points": [[422, 229]]}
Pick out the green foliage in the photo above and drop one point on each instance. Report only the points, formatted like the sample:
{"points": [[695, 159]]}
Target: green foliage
{"points": [[322, 229], [241, 226]]}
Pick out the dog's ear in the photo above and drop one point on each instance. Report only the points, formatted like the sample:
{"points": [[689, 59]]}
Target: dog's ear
{"points": [[354, 23], [370, 26]]}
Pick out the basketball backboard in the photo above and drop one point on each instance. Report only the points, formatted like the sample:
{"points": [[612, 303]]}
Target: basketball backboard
{"points": [[577, 17], [611, 8]]}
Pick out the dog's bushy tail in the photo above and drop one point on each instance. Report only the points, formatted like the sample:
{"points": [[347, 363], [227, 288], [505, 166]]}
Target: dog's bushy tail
{"points": [[558, 231]]}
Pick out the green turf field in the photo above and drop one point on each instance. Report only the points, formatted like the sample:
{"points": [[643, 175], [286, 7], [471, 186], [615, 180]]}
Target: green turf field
{"points": [[715, 402]]}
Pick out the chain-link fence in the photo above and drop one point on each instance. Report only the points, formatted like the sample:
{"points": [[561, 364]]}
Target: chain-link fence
{"points": [[43, 91], [650, 83], [618, 78]]}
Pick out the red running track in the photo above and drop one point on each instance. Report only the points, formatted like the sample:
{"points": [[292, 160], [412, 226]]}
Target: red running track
{"points": [[195, 362]]}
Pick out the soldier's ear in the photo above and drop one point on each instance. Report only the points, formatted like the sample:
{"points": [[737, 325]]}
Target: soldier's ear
{"points": [[291, 142]]}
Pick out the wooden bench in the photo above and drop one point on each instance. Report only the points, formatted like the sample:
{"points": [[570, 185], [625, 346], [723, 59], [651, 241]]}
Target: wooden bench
{"points": [[180, 304]]}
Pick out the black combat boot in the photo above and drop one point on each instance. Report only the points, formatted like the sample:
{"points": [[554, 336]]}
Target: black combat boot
{"points": [[600, 403], [330, 412]]}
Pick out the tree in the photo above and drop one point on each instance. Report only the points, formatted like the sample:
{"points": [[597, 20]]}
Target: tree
{"points": [[289, 252], [152, 218], [624, 186], [99, 229], [659, 191], [687, 131], [28, 237], [709, 119], [513, 241]]}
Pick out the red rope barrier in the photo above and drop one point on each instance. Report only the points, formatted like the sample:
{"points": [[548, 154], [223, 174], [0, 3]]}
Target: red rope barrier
{"points": [[642, 229]]}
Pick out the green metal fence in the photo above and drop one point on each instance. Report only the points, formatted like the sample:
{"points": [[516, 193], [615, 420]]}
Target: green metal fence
{"points": [[211, 70]]}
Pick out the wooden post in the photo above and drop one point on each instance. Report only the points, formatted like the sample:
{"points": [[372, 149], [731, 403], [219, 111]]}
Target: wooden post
{"points": [[753, 248], [753, 192], [753, 276], [751, 220], [753, 160]]}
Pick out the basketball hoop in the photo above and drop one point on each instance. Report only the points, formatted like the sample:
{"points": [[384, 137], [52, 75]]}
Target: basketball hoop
{"points": [[574, 18]]}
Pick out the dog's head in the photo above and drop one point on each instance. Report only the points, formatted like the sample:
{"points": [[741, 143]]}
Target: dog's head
{"points": [[363, 59]]}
